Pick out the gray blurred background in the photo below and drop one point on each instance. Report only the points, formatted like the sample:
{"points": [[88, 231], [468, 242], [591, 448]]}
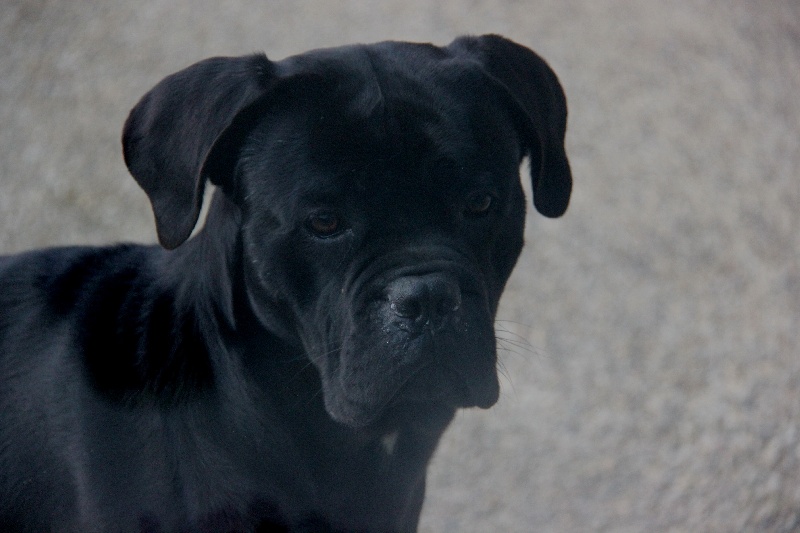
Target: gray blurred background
{"points": [[651, 359]]}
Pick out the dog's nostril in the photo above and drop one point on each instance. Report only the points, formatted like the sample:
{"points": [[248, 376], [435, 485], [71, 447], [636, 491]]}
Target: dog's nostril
{"points": [[406, 307], [448, 304], [429, 299]]}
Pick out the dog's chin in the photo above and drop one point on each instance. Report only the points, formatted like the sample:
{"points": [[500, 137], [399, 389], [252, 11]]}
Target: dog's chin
{"points": [[425, 392]]}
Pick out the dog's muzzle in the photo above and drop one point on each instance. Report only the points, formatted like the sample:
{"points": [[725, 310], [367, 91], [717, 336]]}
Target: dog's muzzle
{"points": [[420, 332]]}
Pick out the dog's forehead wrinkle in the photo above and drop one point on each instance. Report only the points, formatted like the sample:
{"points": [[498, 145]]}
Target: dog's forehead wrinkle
{"points": [[400, 107], [379, 102], [369, 148]]}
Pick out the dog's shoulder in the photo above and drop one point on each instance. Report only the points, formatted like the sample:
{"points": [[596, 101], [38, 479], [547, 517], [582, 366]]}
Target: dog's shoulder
{"points": [[53, 299], [112, 311], [52, 282]]}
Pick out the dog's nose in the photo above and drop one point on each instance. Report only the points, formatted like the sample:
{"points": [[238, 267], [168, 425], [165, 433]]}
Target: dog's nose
{"points": [[426, 300]]}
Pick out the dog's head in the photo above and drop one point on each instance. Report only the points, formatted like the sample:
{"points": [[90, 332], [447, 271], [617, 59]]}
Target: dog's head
{"points": [[379, 197]]}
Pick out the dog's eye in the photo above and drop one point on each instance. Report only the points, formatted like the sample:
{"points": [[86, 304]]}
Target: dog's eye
{"points": [[324, 224], [479, 204]]}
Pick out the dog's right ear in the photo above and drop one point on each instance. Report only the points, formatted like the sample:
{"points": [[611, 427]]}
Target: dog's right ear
{"points": [[171, 132], [538, 95]]}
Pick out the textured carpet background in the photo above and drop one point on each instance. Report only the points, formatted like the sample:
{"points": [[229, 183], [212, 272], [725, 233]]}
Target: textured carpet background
{"points": [[651, 354]]}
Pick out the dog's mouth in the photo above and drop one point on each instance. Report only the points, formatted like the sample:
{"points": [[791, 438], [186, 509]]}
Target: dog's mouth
{"points": [[440, 384], [430, 388], [384, 366]]}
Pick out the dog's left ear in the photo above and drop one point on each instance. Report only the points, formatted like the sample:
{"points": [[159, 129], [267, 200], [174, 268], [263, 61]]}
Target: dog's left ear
{"points": [[536, 92], [170, 134]]}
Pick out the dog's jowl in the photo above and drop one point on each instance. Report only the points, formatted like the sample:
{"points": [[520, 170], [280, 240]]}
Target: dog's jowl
{"points": [[293, 365]]}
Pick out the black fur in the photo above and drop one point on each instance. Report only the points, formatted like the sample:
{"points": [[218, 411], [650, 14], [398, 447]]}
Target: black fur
{"points": [[292, 366]]}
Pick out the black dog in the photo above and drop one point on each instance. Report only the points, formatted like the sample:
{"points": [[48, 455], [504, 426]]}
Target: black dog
{"points": [[292, 366]]}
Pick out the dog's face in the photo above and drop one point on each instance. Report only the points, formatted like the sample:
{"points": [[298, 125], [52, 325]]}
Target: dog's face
{"points": [[388, 232], [381, 208]]}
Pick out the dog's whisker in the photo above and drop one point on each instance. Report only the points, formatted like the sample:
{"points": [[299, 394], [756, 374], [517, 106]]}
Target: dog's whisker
{"points": [[300, 372], [502, 329], [309, 362], [301, 355], [511, 333], [527, 347], [515, 322], [523, 344], [320, 355], [498, 326], [511, 351], [314, 396], [503, 371]]}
